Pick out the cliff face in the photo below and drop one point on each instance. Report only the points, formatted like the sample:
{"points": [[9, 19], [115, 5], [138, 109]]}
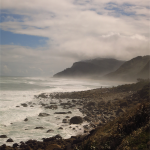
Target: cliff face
{"points": [[90, 68], [137, 67]]}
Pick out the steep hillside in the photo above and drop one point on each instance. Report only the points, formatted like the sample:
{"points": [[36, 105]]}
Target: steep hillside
{"points": [[145, 72], [132, 69], [89, 68]]}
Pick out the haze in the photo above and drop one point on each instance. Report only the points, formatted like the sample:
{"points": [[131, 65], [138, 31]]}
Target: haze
{"points": [[41, 38]]}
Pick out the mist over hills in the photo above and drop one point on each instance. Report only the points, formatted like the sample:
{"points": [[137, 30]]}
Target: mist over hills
{"points": [[137, 67], [91, 68], [109, 69]]}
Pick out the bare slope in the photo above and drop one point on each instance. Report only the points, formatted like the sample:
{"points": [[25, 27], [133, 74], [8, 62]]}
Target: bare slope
{"points": [[90, 68], [132, 69]]}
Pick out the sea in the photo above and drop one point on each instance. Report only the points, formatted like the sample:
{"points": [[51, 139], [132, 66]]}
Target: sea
{"points": [[17, 90]]}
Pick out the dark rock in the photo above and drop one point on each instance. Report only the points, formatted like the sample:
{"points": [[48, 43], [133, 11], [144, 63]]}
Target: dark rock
{"points": [[9, 140], [60, 113], [15, 145], [39, 128], [3, 136], [26, 119], [17, 106], [42, 95], [52, 103], [67, 117], [50, 131], [24, 104], [64, 104], [76, 120], [43, 114], [60, 128], [65, 121], [73, 101], [69, 112], [58, 136], [52, 107]]}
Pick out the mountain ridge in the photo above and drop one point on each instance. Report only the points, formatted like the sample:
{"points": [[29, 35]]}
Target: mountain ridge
{"points": [[89, 68]]}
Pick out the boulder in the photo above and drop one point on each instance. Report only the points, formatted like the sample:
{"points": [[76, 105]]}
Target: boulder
{"points": [[42, 95], [15, 145], [9, 140], [50, 131], [39, 128], [3, 136], [69, 112], [43, 114], [65, 121], [76, 120], [60, 113], [51, 107], [24, 104], [26, 119], [52, 103]]}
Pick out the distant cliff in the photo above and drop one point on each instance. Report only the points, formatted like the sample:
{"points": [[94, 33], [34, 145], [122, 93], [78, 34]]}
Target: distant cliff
{"points": [[138, 67], [91, 68]]}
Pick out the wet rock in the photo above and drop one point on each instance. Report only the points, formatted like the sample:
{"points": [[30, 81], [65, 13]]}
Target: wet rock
{"points": [[69, 112], [26, 119], [52, 103], [74, 101], [67, 117], [39, 128], [43, 114], [3, 136], [52, 107], [24, 105], [76, 120], [15, 145], [65, 121], [48, 131], [60, 128], [9, 140], [42, 95], [60, 113]]}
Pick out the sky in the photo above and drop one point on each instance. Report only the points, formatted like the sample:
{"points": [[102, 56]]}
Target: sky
{"points": [[43, 37]]}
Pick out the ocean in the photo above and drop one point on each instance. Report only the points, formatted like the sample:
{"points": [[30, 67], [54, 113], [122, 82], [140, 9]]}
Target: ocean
{"points": [[17, 90]]}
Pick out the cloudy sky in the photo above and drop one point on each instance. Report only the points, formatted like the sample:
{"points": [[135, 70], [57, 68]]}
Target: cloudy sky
{"points": [[42, 37]]}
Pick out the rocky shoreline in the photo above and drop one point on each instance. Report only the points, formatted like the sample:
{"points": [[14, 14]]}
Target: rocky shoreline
{"points": [[99, 106]]}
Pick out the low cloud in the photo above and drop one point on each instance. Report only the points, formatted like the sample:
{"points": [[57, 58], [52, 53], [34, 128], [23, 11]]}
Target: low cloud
{"points": [[76, 30]]}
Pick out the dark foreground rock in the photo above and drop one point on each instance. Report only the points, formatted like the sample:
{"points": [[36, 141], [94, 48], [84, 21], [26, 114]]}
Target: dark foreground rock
{"points": [[10, 140], [3, 136], [76, 120]]}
